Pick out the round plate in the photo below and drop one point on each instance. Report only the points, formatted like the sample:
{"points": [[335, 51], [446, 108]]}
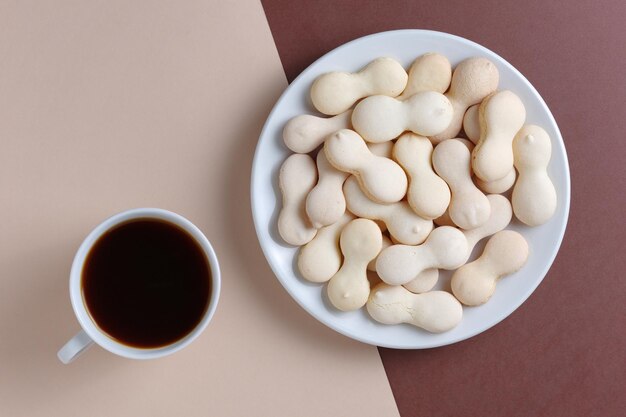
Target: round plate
{"points": [[404, 46]]}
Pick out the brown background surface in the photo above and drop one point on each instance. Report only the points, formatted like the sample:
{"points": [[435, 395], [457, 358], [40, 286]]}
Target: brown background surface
{"points": [[563, 352]]}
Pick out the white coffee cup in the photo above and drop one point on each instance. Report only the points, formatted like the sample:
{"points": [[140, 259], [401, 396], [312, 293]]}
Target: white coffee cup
{"points": [[91, 333]]}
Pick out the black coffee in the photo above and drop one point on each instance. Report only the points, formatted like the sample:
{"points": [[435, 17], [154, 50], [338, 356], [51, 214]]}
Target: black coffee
{"points": [[146, 283]]}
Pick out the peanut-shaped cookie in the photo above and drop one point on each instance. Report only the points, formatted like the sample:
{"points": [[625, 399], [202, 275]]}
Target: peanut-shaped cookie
{"points": [[427, 194], [491, 187], [304, 133], [423, 282], [500, 217], [471, 125], [468, 143], [505, 253], [501, 116], [534, 196], [469, 207], [296, 179], [429, 72], [383, 118], [445, 248], [436, 311], [382, 179], [325, 204], [498, 186], [335, 92], [472, 81], [360, 242], [402, 222], [320, 259]]}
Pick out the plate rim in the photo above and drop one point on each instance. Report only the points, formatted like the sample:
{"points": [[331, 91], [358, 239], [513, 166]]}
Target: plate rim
{"points": [[558, 141]]}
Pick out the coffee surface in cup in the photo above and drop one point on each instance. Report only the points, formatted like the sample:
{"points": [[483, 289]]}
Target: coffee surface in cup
{"points": [[146, 283]]}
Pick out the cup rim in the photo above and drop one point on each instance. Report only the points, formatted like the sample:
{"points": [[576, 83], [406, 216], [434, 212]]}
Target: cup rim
{"points": [[78, 303]]}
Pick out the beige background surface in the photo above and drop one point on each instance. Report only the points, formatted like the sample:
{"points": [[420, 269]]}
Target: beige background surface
{"points": [[110, 105]]}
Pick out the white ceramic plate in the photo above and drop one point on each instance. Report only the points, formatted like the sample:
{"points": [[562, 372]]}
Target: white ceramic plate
{"points": [[405, 46]]}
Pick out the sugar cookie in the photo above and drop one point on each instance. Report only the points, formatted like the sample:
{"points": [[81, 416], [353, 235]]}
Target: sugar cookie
{"points": [[402, 222], [335, 92], [436, 311], [471, 125], [505, 253], [469, 207], [325, 204], [320, 259], [472, 81], [424, 282], [304, 133], [468, 143], [501, 116], [383, 118], [445, 248], [382, 179], [296, 179], [429, 72], [534, 196], [498, 186], [427, 194], [360, 242]]}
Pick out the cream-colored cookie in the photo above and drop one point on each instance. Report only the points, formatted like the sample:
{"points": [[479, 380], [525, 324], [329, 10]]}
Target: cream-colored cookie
{"points": [[383, 118], [335, 92], [429, 72], [500, 217], [360, 242], [469, 207], [382, 179], [445, 248], [471, 125], [427, 194], [468, 143], [424, 282], [321, 258], [386, 243], [501, 116], [402, 222], [505, 253], [304, 133], [498, 186], [296, 179], [534, 196], [472, 81], [325, 204], [436, 311]]}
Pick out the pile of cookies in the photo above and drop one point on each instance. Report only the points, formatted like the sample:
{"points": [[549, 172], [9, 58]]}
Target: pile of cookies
{"points": [[395, 190]]}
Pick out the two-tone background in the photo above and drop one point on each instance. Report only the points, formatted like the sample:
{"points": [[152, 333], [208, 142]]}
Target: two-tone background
{"points": [[108, 105]]}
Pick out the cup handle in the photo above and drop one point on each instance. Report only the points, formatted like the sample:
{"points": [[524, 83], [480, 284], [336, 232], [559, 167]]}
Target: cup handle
{"points": [[74, 347]]}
